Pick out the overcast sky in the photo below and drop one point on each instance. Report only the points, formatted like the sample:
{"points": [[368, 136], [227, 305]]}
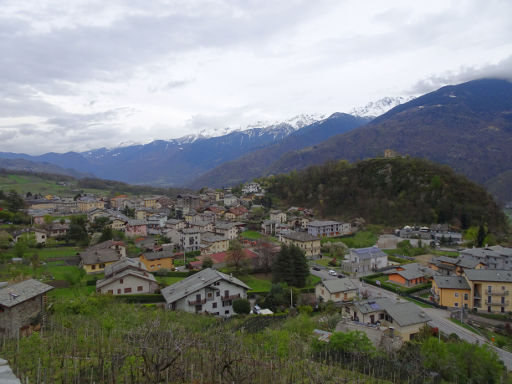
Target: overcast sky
{"points": [[77, 75]]}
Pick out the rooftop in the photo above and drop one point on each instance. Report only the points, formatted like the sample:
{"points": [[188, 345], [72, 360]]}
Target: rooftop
{"points": [[451, 282], [299, 236], [497, 275], [14, 294], [338, 285], [193, 283]]}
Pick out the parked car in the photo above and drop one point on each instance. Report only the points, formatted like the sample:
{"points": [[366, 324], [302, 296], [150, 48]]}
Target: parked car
{"points": [[332, 272], [316, 268], [340, 276]]}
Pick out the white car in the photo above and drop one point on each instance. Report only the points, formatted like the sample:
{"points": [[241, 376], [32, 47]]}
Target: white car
{"points": [[332, 273]]}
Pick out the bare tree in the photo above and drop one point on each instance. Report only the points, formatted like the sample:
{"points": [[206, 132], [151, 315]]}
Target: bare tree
{"points": [[236, 254], [161, 350]]}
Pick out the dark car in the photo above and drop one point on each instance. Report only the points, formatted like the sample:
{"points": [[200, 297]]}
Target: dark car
{"points": [[316, 268], [340, 276]]}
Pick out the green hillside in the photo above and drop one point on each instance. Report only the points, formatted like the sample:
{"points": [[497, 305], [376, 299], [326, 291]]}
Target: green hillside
{"points": [[66, 186], [390, 192]]}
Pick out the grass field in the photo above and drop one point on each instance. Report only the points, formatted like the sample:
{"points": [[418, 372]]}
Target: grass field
{"points": [[34, 184], [165, 281], [258, 282], [45, 253], [361, 239], [252, 235], [263, 283]]}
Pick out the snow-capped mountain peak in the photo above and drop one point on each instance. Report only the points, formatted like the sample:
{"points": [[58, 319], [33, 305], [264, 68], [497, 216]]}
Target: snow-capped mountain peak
{"points": [[379, 107], [296, 122]]}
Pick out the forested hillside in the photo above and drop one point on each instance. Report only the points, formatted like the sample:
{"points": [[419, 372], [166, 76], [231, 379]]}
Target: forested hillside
{"points": [[389, 191]]}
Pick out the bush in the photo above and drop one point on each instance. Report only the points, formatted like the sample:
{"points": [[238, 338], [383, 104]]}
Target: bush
{"points": [[242, 306], [142, 298]]}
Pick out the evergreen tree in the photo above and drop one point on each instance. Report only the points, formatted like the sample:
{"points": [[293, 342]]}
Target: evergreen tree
{"points": [[480, 239], [290, 266], [300, 267]]}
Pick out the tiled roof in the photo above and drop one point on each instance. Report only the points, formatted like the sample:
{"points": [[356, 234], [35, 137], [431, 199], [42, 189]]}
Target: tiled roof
{"points": [[20, 292], [338, 285], [193, 283], [451, 282], [496, 275]]}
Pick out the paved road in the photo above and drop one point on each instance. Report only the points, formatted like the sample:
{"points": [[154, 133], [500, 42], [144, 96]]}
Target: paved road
{"points": [[322, 273]]}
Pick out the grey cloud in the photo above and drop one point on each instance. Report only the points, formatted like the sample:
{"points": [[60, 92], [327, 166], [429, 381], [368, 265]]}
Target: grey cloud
{"points": [[501, 70]]}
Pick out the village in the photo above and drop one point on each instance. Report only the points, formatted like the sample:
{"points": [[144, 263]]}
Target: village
{"points": [[215, 253]]}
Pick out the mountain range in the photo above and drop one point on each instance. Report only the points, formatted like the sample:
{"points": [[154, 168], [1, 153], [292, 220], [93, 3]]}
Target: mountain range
{"points": [[177, 162], [466, 126]]}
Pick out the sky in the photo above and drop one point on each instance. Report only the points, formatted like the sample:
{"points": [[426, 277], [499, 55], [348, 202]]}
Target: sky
{"points": [[78, 75]]}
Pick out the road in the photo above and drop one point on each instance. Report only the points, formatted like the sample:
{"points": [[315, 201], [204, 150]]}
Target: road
{"points": [[439, 318]]}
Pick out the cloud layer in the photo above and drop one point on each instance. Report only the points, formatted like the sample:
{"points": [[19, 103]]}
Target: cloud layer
{"points": [[85, 74]]}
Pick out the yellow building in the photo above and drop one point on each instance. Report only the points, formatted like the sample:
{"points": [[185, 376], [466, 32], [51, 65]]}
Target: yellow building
{"points": [[88, 204], [158, 260], [308, 243], [451, 291], [150, 202], [490, 289], [213, 243], [336, 290], [95, 261]]}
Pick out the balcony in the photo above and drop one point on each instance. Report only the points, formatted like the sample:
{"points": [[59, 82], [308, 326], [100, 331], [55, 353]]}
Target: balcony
{"points": [[499, 303], [197, 302], [230, 297]]}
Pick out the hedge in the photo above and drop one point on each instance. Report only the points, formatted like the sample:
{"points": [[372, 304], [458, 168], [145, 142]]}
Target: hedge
{"points": [[142, 298]]}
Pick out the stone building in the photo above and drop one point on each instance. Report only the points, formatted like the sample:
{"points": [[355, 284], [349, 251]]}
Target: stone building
{"points": [[22, 307]]}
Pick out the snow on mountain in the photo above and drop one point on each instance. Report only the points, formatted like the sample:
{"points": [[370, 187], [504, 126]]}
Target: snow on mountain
{"points": [[295, 122], [379, 107]]}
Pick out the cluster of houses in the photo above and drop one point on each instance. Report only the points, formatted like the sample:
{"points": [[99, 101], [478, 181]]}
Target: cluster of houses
{"points": [[205, 223], [479, 279], [434, 235]]}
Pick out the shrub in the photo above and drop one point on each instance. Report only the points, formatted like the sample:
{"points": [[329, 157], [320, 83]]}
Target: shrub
{"points": [[242, 306]]}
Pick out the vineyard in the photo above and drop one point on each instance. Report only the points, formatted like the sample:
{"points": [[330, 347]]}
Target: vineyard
{"points": [[100, 340]]}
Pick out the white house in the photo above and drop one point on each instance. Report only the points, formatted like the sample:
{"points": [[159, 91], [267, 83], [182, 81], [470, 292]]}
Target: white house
{"points": [[324, 228], [278, 216], [365, 260], [226, 229], [208, 291], [336, 290], [127, 277]]}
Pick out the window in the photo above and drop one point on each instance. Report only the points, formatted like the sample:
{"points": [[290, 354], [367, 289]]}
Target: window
{"points": [[489, 288], [93, 266], [110, 291], [456, 294], [139, 288], [502, 300], [218, 293], [456, 304], [226, 311], [502, 309], [120, 281], [214, 305], [489, 299], [102, 265], [127, 290], [210, 295], [119, 291], [489, 309], [466, 296]]}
